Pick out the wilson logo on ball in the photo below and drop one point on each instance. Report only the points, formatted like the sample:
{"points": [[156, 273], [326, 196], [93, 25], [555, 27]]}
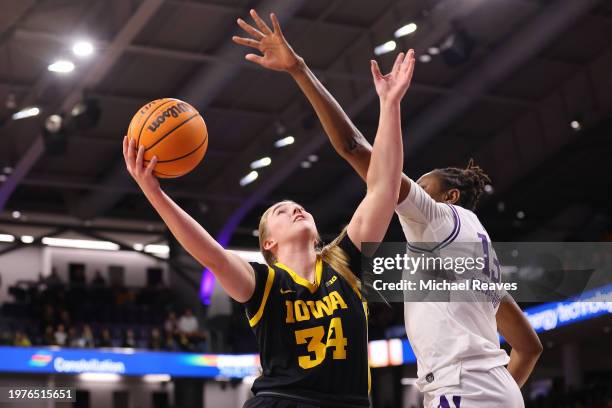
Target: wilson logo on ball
{"points": [[173, 131], [172, 111]]}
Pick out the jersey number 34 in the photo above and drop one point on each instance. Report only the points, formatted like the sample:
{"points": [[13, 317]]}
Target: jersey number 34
{"points": [[313, 336]]}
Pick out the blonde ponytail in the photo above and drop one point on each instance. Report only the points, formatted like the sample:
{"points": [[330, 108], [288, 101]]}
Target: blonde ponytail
{"points": [[335, 257]]}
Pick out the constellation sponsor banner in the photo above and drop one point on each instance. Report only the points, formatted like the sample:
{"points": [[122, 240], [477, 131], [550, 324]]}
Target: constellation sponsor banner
{"points": [[126, 362], [481, 271]]}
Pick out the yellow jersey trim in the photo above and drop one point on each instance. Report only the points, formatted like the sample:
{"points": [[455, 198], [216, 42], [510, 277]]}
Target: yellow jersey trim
{"points": [[255, 319], [311, 286]]}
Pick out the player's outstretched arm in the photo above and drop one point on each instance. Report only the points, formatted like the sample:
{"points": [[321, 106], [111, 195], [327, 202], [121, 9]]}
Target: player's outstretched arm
{"points": [[526, 346], [235, 275], [372, 217], [277, 54]]}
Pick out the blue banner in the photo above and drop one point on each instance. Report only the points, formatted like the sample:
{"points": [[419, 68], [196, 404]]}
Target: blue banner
{"points": [[53, 360]]}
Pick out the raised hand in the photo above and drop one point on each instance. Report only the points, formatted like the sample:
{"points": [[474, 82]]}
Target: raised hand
{"points": [[393, 86], [134, 161], [277, 53]]}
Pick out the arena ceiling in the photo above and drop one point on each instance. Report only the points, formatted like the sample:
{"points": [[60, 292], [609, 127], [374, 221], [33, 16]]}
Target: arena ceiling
{"points": [[535, 67]]}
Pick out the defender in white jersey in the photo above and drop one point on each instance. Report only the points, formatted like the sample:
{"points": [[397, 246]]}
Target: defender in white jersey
{"points": [[460, 362]]}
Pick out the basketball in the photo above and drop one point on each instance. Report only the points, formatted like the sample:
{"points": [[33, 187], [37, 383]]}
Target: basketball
{"points": [[172, 130]]}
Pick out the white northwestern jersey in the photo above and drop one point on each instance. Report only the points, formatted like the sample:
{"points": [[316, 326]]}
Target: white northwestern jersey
{"points": [[448, 336]]}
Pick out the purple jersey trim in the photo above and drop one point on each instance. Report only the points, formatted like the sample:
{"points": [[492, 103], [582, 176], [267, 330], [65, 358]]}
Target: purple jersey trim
{"points": [[453, 235]]}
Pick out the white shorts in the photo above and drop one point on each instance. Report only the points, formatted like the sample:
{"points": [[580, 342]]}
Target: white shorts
{"points": [[478, 389]]}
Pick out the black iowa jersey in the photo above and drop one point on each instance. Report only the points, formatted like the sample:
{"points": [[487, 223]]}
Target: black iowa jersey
{"points": [[312, 337]]}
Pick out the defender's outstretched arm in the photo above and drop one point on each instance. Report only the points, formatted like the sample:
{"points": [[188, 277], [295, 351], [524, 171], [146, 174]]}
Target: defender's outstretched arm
{"points": [[278, 55]]}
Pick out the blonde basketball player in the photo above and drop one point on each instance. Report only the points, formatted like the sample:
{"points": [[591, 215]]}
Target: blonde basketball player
{"points": [[460, 362], [304, 306]]}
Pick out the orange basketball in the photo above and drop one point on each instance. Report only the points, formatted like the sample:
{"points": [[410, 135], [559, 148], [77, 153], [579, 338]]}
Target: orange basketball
{"points": [[172, 130]]}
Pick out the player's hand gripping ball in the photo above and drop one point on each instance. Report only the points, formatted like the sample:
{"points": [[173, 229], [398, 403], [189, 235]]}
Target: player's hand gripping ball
{"points": [[172, 130]]}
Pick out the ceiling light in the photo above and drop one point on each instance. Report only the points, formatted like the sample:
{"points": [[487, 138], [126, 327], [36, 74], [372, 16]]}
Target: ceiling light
{"points": [[53, 123], [425, 58], [3, 178], [263, 162], [61, 66], [488, 189], [313, 158], [28, 112], [520, 215], [82, 48], [157, 249], [27, 239], [11, 101], [405, 30], [7, 238], [576, 125], [7, 170], [249, 178], [80, 243], [306, 164], [285, 141], [385, 48], [138, 247], [16, 214], [434, 50]]}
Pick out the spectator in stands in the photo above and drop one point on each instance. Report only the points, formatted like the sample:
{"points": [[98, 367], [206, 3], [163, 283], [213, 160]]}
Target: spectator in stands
{"points": [[170, 343], [171, 325], [60, 335], [188, 324], [105, 339], [98, 280], [129, 340], [49, 336], [73, 338], [6, 338], [21, 339], [53, 280], [48, 316], [188, 327], [87, 339], [155, 339], [184, 342]]}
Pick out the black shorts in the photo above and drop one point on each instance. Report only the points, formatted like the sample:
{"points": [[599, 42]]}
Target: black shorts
{"points": [[285, 400], [275, 402]]}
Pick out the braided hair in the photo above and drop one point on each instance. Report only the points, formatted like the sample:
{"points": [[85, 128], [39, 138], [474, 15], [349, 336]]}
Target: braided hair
{"points": [[470, 182]]}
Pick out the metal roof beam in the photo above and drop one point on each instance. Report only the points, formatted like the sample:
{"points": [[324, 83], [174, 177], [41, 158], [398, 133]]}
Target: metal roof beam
{"points": [[102, 66], [199, 91]]}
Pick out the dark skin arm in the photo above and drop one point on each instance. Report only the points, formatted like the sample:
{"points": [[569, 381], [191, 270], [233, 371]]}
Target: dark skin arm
{"points": [[526, 346], [278, 55]]}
